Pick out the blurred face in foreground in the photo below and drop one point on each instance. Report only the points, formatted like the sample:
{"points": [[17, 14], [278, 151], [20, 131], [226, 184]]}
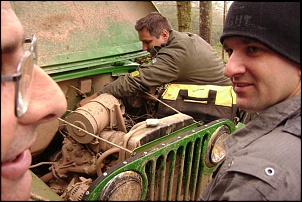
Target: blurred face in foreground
{"points": [[46, 102], [260, 77]]}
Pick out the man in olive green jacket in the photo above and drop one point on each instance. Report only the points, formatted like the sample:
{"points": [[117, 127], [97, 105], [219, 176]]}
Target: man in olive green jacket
{"points": [[176, 57]]}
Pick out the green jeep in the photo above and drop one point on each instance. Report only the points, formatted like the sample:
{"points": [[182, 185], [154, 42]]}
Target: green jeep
{"points": [[106, 149]]}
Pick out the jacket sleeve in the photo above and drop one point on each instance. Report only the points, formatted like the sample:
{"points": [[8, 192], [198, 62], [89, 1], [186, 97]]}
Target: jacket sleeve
{"points": [[162, 70]]}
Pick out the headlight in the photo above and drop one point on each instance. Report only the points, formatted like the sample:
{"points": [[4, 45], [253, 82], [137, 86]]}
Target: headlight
{"points": [[215, 150], [126, 186]]}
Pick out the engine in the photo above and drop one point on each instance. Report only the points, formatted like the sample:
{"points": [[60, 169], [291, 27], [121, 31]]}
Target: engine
{"points": [[95, 137]]}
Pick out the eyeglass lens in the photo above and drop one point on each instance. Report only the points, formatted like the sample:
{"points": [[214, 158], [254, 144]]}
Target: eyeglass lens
{"points": [[26, 67]]}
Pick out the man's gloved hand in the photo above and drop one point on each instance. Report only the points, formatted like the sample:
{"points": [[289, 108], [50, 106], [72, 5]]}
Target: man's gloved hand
{"points": [[87, 99]]}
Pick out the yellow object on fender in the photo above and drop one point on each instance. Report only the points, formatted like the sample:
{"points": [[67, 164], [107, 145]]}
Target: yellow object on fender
{"points": [[203, 102]]}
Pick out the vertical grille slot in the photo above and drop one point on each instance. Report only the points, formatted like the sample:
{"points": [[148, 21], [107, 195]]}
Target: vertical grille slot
{"points": [[196, 164], [171, 168]]}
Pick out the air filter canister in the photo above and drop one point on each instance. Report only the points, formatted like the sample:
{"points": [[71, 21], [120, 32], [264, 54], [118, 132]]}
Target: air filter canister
{"points": [[93, 117]]}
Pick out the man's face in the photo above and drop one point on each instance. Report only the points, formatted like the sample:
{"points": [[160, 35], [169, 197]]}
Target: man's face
{"points": [[18, 134], [18, 186], [260, 77], [11, 40], [149, 41]]}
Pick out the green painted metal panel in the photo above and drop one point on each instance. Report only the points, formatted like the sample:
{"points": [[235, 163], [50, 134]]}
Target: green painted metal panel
{"points": [[41, 192], [75, 35], [94, 71]]}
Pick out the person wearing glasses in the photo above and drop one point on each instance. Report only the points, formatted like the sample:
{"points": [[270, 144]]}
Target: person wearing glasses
{"points": [[263, 159], [29, 97]]}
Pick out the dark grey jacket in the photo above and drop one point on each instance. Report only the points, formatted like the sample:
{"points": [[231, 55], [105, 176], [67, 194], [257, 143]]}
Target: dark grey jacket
{"points": [[263, 159], [185, 58]]}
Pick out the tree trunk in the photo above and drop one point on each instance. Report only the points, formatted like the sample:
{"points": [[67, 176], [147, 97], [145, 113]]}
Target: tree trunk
{"points": [[184, 16], [205, 20], [225, 3]]}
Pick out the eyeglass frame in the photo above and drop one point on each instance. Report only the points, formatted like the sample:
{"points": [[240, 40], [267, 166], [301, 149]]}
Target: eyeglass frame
{"points": [[17, 76]]}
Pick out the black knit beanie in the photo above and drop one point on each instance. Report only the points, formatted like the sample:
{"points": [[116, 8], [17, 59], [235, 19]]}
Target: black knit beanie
{"points": [[274, 24]]}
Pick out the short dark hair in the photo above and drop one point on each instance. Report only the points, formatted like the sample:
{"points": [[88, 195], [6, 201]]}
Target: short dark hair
{"points": [[154, 23]]}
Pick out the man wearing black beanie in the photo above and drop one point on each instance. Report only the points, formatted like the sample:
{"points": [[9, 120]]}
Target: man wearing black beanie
{"points": [[263, 160]]}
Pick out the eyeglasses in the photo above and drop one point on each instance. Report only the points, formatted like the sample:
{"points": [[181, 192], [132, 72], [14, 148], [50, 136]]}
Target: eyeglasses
{"points": [[23, 77]]}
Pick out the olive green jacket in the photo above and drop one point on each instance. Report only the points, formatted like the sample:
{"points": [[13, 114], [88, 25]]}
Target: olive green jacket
{"points": [[185, 58]]}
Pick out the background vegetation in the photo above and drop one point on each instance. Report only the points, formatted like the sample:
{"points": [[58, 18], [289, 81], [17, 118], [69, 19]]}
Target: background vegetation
{"points": [[169, 10]]}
